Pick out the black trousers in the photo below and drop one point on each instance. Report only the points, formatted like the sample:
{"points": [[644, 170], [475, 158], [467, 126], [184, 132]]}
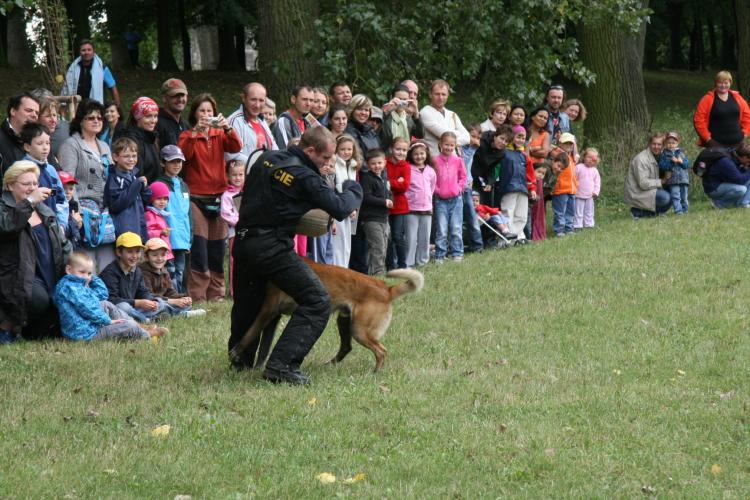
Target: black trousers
{"points": [[259, 259]]}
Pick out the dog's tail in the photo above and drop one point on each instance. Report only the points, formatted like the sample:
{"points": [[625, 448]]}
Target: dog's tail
{"points": [[414, 282]]}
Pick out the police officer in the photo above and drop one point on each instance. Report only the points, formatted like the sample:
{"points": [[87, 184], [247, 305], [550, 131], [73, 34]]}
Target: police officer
{"points": [[280, 188]]}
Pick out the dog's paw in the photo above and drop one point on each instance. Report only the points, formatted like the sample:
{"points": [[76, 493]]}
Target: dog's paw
{"points": [[234, 355]]}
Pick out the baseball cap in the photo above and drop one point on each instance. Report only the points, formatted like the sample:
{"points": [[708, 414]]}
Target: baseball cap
{"points": [[128, 240], [171, 152], [66, 178], [673, 135], [173, 86], [156, 244], [566, 137], [376, 113]]}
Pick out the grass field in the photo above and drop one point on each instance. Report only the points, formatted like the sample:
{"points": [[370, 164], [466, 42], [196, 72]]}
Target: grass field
{"points": [[613, 363]]}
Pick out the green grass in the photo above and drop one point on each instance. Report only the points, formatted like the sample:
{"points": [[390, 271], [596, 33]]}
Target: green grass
{"points": [[550, 370]]}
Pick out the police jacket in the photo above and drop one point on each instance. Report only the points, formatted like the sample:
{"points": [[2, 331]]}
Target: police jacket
{"points": [[284, 185]]}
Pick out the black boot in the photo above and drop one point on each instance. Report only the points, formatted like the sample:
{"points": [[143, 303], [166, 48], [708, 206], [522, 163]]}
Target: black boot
{"points": [[276, 372]]}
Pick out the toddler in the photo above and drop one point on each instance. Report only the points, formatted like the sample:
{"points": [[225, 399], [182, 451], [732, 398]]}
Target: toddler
{"points": [[179, 219], [75, 221], [451, 181], [157, 280], [156, 215], [124, 280], [563, 194], [85, 313], [348, 161], [538, 214], [492, 216], [373, 216], [589, 183], [124, 192], [673, 160], [399, 177], [419, 197], [229, 211]]}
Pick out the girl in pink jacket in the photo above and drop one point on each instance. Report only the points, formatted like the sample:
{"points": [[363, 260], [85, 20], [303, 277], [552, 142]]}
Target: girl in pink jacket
{"points": [[419, 198], [156, 215], [589, 183], [449, 207], [228, 211]]}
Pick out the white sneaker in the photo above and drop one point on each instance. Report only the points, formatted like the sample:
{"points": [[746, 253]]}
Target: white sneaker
{"points": [[195, 313]]}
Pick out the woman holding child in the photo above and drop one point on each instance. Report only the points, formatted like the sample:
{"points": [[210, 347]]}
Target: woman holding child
{"points": [[33, 250], [204, 146]]}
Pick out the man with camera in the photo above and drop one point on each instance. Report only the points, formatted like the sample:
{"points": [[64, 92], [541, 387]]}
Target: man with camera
{"points": [[282, 186], [401, 118]]}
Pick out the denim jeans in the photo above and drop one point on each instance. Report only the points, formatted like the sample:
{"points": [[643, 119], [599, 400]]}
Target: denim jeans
{"points": [[140, 315], [663, 202], [397, 247], [449, 219], [176, 268], [679, 193], [564, 211], [728, 195], [470, 218]]}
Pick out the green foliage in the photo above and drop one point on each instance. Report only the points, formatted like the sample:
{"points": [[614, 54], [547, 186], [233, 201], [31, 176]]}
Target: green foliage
{"points": [[514, 46], [8, 5]]}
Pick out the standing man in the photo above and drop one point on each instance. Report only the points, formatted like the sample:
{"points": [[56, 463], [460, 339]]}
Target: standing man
{"points": [[558, 122], [249, 123], [171, 124], [413, 89], [22, 109], [340, 94], [437, 119], [292, 123], [87, 76], [283, 186]]}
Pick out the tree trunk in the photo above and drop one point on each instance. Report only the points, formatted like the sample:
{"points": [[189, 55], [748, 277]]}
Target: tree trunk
{"points": [[618, 96], [117, 15], [187, 62], [728, 43], [674, 20], [284, 26], [78, 12], [742, 10], [164, 36], [239, 45], [227, 49], [695, 59], [713, 47], [3, 41], [19, 52]]}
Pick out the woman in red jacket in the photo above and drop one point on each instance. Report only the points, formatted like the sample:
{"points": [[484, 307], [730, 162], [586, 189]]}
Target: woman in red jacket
{"points": [[723, 116], [204, 146]]}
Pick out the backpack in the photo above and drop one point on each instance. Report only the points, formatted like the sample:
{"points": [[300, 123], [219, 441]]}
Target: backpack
{"points": [[708, 157]]}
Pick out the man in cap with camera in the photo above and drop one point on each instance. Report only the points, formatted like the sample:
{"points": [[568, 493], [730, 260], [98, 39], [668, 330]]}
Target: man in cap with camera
{"points": [[283, 186]]}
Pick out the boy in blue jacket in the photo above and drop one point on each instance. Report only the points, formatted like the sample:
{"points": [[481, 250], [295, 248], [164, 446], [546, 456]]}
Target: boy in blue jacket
{"points": [[124, 192], [85, 314]]}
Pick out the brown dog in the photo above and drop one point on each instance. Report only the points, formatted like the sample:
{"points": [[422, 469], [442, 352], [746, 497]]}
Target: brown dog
{"points": [[363, 304]]}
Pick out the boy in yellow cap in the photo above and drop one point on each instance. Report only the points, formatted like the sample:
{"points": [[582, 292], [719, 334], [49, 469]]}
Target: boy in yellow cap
{"points": [[124, 280]]}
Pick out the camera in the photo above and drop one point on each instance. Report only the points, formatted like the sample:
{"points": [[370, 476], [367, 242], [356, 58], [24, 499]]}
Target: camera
{"points": [[53, 192], [402, 103], [214, 122]]}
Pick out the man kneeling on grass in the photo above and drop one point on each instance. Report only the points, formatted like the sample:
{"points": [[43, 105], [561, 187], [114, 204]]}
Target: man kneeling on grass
{"points": [[85, 314]]}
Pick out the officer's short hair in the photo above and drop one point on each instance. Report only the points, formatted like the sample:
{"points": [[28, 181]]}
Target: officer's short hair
{"points": [[318, 138]]}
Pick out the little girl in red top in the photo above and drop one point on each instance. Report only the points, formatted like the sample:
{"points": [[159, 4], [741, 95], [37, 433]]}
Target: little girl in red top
{"points": [[399, 176]]}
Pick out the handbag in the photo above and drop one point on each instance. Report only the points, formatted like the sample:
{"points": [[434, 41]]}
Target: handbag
{"points": [[98, 227]]}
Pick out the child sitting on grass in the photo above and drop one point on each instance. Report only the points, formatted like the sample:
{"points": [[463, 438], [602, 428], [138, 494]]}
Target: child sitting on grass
{"points": [[124, 280], [159, 282], [85, 313]]}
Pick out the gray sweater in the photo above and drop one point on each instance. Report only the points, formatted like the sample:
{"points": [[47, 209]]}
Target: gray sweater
{"points": [[87, 166]]}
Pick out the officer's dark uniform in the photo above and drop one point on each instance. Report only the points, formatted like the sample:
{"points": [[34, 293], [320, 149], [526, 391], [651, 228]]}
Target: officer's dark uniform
{"points": [[280, 188]]}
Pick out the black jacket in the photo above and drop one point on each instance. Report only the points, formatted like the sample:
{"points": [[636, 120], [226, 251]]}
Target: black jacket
{"points": [[124, 288], [168, 129], [365, 136], [485, 161], [18, 254], [284, 185], [148, 154], [375, 193], [11, 147], [386, 132]]}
